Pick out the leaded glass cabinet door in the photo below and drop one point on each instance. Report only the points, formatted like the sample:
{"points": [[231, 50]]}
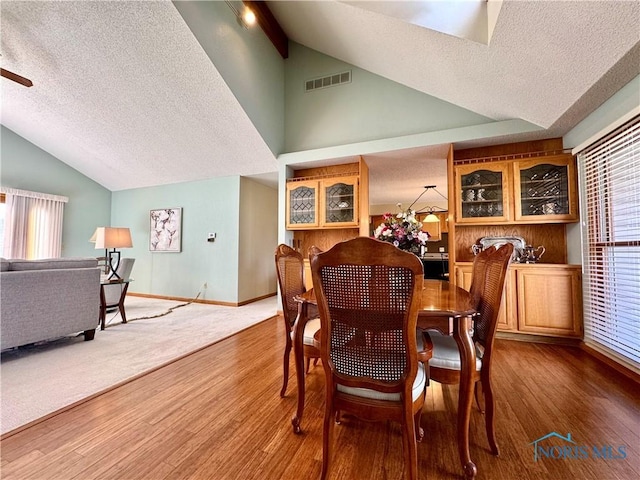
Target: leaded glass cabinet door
{"points": [[545, 190], [482, 193], [302, 205], [339, 202]]}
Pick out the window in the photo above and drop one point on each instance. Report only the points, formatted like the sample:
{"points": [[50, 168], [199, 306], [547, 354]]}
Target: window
{"points": [[31, 224], [610, 177]]}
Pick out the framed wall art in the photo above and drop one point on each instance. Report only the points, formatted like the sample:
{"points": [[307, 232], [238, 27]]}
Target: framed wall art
{"points": [[165, 230]]}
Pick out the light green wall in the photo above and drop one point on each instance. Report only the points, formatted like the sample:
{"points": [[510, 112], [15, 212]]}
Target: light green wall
{"points": [[27, 167], [619, 105], [237, 267], [258, 240], [208, 206], [369, 108], [248, 62]]}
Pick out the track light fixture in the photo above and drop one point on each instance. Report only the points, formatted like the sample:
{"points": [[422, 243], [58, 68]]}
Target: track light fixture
{"points": [[244, 15]]}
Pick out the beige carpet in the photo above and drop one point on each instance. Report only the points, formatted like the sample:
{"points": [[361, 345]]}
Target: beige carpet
{"points": [[40, 379]]}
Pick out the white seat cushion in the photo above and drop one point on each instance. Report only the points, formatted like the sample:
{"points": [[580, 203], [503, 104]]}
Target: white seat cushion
{"points": [[310, 329], [418, 388], [446, 354], [419, 384]]}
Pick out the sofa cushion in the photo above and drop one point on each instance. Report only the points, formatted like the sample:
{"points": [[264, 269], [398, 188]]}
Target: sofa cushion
{"points": [[4, 265], [52, 263]]}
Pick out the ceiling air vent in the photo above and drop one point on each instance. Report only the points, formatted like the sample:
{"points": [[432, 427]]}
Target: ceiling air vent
{"points": [[328, 81]]}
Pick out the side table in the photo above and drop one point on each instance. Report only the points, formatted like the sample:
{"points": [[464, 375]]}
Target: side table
{"points": [[103, 300]]}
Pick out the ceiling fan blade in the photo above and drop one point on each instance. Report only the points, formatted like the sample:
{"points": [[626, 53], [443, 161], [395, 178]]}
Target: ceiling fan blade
{"points": [[16, 78]]}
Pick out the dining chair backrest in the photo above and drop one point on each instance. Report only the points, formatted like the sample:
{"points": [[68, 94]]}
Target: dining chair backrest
{"points": [[290, 270], [478, 273], [368, 294], [488, 279], [490, 296]]}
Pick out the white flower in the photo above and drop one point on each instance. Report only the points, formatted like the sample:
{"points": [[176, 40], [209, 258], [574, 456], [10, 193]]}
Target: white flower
{"points": [[423, 237]]}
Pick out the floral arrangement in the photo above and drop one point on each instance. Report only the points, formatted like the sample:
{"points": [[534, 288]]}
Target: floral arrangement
{"points": [[403, 230]]}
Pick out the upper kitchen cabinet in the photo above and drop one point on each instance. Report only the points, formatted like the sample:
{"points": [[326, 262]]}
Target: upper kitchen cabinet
{"points": [[327, 204], [537, 190], [545, 190], [339, 201], [482, 193], [324, 203], [302, 204]]}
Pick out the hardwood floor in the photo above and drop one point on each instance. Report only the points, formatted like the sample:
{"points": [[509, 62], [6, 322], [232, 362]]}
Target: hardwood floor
{"points": [[217, 414]]}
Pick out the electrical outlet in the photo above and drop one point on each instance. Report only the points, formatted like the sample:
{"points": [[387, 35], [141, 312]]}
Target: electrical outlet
{"points": [[441, 249]]}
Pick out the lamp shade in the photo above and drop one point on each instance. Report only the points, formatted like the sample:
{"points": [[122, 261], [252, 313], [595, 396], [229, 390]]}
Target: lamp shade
{"points": [[431, 224], [112, 237]]}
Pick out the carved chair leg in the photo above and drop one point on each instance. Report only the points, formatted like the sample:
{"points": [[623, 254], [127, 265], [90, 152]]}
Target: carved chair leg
{"points": [[307, 365], [478, 392], [419, 429], [327, 438], [285, 365], [490, 407], [410, 446]]}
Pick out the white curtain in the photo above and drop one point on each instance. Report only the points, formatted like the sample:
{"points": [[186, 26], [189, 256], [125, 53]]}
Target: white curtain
{"points": [[33, 224]]}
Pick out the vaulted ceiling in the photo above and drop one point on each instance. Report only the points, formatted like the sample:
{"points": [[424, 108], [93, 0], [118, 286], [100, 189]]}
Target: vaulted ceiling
{"points": [[124, 93]]}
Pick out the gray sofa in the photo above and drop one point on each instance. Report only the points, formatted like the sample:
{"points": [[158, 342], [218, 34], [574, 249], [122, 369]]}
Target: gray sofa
{"points": [[45, 299]]}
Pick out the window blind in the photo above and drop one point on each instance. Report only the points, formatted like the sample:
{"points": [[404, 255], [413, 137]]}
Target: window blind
{"points": [[610, 181]]}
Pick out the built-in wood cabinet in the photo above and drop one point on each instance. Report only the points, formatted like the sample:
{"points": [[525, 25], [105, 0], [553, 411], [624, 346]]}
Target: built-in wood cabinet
{"points": [[339, 202], [545, 190], [302, 204], [540, 299], [328, 204], [549, 299], [444, 222], [483, 193], [324, 203], [536, 190], [526, 190]]}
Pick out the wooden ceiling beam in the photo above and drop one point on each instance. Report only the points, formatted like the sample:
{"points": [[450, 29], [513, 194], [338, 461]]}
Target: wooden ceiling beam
{"points": [[270, 26], [16, 78]]}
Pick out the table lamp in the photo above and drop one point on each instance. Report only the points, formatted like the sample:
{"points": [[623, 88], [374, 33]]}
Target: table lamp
{"points": [[112, 237]]}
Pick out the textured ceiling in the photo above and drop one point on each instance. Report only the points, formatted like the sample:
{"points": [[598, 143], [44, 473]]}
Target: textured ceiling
{"points": [[123, 93], [542, 58], [126, 95]]}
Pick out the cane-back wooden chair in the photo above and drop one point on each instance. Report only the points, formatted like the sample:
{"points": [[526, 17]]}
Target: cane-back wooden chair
{"points": [[368, 294], [290, 269], [487, 285]]}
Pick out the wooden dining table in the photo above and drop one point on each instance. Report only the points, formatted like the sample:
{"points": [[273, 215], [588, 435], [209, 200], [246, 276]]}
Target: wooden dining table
{"points": [[446, 308]]}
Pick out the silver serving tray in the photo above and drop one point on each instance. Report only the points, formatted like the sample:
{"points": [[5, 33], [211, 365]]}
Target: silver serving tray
{"points": [[518, 244]]}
